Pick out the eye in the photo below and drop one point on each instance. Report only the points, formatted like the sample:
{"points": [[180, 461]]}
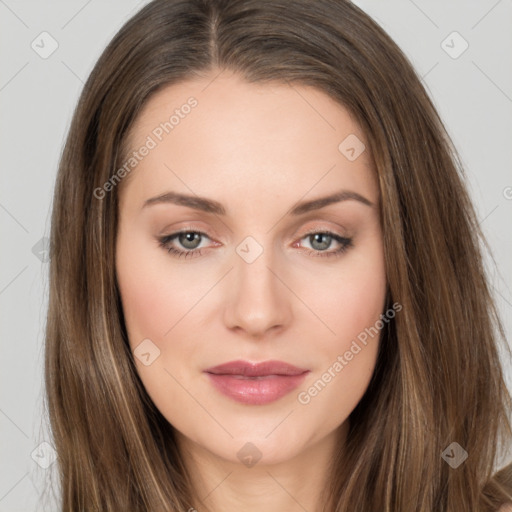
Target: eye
{"points": [[320, 241], [190, 240]]}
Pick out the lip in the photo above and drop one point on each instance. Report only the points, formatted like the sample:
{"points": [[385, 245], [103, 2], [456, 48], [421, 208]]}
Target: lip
{"points": [[256, 383]]}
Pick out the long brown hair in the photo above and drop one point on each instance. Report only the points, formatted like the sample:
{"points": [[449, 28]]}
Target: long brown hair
{"points": [[438, 378]]}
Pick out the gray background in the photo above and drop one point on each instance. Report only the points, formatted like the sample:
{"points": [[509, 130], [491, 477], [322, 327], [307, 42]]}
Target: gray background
{"points": [[472, 91]]}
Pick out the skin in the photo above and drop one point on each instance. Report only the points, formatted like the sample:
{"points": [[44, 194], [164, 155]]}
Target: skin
{"points": [[258, 149]]}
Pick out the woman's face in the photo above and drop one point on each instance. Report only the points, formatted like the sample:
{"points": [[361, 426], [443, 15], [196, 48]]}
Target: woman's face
{"points": [[266, 269]]}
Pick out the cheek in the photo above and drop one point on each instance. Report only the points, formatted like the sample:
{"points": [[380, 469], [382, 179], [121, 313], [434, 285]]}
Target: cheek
{"points": [[155, 296], [345, 368], [147, 308], [352, 298], [351, 306]]}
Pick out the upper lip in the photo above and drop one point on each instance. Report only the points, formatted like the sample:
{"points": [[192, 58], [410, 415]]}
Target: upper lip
{"points": [[262, 369]]}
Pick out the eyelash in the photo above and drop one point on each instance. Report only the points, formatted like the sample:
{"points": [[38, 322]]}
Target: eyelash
{"points": [[164, 242]]}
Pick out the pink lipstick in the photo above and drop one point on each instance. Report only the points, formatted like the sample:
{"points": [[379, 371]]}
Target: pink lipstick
{"points": [[256, 383]]}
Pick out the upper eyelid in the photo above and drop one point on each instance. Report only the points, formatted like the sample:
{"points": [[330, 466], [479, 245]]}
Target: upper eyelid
{"points": [[334, 225]]}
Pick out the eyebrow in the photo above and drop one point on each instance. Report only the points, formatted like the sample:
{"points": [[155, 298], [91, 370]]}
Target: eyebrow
{"points": [[211, 206]]}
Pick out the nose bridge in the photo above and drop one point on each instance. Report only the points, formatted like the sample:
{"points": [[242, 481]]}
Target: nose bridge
{"points": [[258, 301], [253, 263]]}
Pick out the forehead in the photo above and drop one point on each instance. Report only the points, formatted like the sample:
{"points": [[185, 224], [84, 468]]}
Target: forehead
{"points": [[221, 132]]}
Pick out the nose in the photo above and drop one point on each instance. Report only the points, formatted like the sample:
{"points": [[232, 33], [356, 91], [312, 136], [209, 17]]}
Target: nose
{"points": [[258, 298]]}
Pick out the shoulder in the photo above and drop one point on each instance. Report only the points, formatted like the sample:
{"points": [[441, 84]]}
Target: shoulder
{"points": [[506, 507]]}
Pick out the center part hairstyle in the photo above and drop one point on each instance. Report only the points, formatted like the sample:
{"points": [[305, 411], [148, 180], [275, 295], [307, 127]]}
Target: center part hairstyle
{"points": [[438, 377]]}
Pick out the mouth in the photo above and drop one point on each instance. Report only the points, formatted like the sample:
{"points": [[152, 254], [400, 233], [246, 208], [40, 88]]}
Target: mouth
{"points": [[256, 383]]}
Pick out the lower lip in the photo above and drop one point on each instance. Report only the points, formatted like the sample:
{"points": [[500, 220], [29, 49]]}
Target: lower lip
{"points": [[256, 391]]}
